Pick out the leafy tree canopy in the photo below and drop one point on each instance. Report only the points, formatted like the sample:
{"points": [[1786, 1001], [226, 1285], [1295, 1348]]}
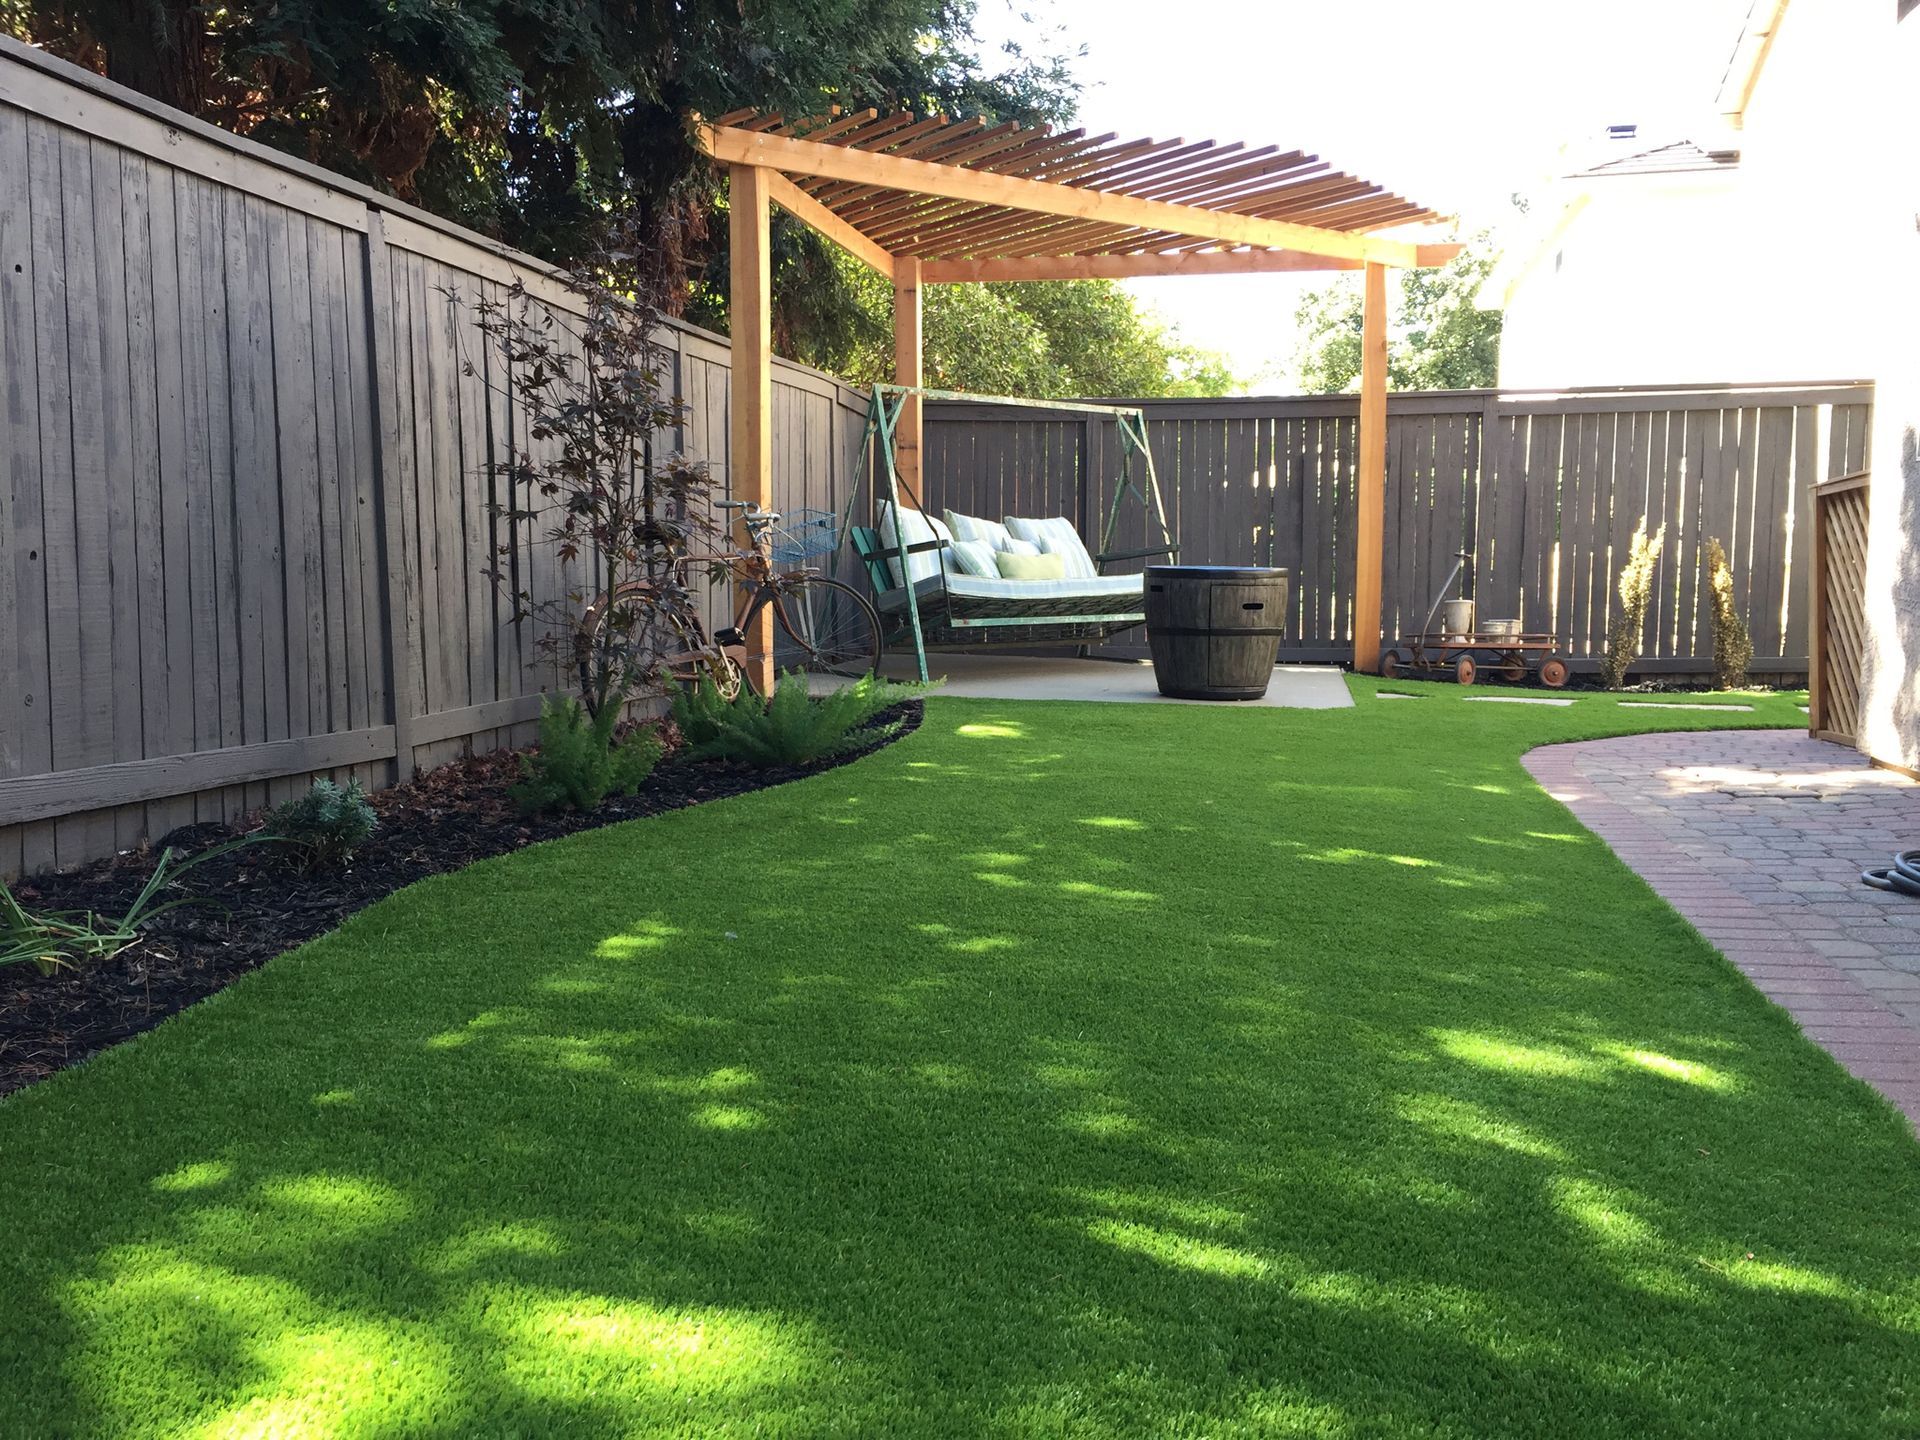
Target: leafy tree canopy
{"points": [[532, 120], [538, 121], [1437, 336]]}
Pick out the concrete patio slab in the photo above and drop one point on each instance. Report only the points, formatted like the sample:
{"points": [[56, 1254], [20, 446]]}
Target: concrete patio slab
{"points": [[988, 675], [1758, 837]]}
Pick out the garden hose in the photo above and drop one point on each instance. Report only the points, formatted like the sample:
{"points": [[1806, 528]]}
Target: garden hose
{"points": [[1902, 877]]}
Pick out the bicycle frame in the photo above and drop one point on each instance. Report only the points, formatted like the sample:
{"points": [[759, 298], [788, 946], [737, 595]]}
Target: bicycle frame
{"points": [[757, 586]]}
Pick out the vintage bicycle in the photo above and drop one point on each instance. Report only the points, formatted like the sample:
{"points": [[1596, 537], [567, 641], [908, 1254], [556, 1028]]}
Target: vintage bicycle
{"points": [[822, 626]]}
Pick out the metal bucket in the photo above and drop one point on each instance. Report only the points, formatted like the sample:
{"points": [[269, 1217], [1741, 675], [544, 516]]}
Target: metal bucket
{"points": [[1500, 627], [1459, 615]]}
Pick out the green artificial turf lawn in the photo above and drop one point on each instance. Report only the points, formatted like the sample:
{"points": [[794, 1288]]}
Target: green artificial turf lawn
{"points": [[1063, 1070]]}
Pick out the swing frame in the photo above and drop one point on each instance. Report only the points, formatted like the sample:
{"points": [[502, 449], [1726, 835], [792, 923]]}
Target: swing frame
{"points": [[933, 199], [877, 443]]}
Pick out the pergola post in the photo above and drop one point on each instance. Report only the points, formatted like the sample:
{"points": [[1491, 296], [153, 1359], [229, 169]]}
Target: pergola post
{"points": [[750, 455], [908, 350], [1370, 481]]}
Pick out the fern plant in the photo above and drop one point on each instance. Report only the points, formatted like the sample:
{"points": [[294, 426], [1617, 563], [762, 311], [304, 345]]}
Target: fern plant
{"points": [[327, 824], [579, 763], [1636, 594], [793, 728], [1732, 644]]}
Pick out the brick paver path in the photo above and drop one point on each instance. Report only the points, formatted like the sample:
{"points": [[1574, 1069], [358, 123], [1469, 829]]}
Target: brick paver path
{"points": [[1758, 837]]}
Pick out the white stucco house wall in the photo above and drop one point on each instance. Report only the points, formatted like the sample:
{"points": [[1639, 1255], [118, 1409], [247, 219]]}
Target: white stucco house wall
{"points": [[1794, 256], [1703, 257]]}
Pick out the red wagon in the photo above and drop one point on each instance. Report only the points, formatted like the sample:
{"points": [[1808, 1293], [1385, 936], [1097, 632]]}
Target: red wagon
{"points": [[1511, 658]]}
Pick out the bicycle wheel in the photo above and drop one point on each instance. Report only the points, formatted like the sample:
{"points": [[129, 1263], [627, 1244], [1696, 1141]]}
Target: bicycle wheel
{"points": [[666, 649], [825, 627]]}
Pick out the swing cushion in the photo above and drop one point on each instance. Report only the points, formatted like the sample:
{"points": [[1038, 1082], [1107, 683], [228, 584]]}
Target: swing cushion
{"points": [[1031, 567], [972, 527], [971, 557], [1104, 593], [1057, 537], [1020, 547], [920, 528]]}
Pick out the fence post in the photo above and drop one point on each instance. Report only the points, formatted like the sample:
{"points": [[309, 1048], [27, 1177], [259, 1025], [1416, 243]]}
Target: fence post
{"points": [[396, 591]]}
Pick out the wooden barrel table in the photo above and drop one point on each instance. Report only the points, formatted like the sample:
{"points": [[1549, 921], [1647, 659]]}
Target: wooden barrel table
{"points": [[1214, 629]]}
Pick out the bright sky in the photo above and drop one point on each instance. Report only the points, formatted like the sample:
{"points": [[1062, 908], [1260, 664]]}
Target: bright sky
{"points": [[1454, 105]]}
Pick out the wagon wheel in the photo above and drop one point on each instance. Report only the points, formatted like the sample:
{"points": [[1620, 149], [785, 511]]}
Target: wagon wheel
{"points": [[1390, 665], [1553, 672], [1465, 670], [1513, 669]]}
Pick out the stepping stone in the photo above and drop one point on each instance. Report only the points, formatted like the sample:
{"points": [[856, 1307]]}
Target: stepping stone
{"points": [[1516, 700], [1680, 705], [1393, 695]]}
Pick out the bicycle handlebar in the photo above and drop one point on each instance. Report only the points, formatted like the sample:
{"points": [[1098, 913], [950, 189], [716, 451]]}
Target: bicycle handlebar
{"points": [[751, 513]]}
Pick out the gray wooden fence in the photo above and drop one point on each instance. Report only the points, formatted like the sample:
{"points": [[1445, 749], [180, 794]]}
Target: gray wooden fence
{"points": [[243, 474], [1543, 489]]}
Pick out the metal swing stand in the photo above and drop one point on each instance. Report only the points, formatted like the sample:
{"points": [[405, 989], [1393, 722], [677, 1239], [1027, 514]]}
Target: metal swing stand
{"points": [[1041, 614]]}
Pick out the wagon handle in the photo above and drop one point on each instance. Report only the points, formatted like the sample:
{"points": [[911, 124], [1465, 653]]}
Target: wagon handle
{"points": [[1461, 557]]}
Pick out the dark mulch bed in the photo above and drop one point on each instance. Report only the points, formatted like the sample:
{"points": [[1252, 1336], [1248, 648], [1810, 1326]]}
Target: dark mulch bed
{"points": [[438, 822]]}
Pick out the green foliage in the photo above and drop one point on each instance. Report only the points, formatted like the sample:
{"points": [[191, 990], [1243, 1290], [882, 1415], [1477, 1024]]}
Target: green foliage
{"points": [[793, 728], [327, 824], [1437, 336], [579, 762], [1732, 644], [1636, 593], [1050, 339], [59, 939], [536, 122]]}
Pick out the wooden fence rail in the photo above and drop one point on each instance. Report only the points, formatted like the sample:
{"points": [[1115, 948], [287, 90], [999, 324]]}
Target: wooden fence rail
{"points": [[1544, 490], [244, 473]]}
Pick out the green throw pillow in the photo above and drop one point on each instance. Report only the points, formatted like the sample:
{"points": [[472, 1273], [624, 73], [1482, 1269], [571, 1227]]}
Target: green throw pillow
{"points": [[1030, 567]]}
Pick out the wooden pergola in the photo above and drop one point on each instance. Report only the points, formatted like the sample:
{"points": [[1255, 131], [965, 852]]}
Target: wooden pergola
{"points": [[929, 201]]}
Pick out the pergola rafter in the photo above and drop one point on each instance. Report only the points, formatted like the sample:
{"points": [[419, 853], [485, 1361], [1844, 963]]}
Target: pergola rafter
{"points": [[929, 200]]}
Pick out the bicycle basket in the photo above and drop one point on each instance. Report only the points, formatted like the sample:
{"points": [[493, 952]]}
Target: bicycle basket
{"points": [[806, 535]]}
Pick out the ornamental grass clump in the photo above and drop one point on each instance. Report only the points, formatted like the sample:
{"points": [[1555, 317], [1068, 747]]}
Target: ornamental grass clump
{"points": [[52, 940], [1732, 644], [1636, 595]]}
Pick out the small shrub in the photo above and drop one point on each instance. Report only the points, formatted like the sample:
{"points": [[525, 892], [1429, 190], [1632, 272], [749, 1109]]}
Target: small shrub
{"points": [[54, 940], [1732, 645], [1636, 594], [793, 728], [327, 824], [699, 711], [579, 763]]}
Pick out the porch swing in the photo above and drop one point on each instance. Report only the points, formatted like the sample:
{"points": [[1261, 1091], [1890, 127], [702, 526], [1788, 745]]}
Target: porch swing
{"points": [[944, 608]]}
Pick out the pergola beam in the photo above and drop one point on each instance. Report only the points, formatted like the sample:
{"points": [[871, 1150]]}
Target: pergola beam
{"points": [[1128, 267], [750, 320], [804, 208], [909, 349], [734, 146], [1370, 478]]}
